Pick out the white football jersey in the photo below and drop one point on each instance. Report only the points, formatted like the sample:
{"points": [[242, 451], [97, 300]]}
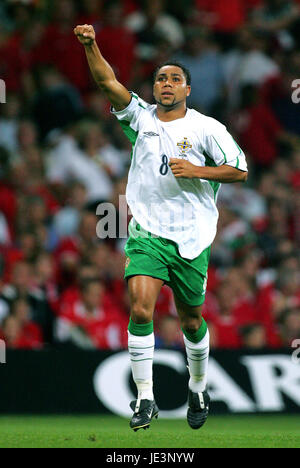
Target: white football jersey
{"points": [[182, 210]]}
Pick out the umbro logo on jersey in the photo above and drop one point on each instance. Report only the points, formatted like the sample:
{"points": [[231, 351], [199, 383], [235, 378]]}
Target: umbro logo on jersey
{"points": [[136, 354], [150, 134]]}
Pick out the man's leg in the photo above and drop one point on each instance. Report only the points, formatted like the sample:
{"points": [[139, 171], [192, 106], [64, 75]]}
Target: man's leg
{"points": [[143, 292], [196, 339]]}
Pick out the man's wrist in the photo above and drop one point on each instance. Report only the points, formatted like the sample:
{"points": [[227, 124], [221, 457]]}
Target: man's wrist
{"points": [[90, 45], [198, 172]]}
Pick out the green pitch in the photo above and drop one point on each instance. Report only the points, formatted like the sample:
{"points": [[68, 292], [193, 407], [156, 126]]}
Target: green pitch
{"points": [[114, 432]]}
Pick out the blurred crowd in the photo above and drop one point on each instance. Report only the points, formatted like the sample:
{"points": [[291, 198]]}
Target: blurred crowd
{"points": [[62, 153]]}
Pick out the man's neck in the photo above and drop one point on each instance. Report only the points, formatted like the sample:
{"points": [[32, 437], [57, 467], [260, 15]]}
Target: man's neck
{"points": [[167, 114]]}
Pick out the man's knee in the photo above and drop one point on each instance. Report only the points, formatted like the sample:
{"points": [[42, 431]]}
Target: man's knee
{"points": [[191, 324], [140, 313]]}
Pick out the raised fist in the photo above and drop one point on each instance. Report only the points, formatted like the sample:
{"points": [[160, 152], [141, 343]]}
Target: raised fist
{"points": [[85, 34]]}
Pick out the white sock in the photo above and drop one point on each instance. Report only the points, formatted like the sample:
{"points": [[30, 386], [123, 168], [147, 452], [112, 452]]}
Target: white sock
{"points": [[141, 350], [198, 355]]}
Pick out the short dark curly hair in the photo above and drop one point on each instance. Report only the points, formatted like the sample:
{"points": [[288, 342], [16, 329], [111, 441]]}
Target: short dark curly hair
{"points": [[186, 72]]}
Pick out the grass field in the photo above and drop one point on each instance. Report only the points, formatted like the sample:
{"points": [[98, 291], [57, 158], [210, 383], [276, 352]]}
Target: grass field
{"points": [[113, 432]]}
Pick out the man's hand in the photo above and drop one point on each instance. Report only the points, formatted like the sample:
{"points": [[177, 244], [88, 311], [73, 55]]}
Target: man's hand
{"points": [[85, 34], [182, 168]]}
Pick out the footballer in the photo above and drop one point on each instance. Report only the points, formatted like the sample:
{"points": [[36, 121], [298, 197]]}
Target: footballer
{"points": [[179, 159]]}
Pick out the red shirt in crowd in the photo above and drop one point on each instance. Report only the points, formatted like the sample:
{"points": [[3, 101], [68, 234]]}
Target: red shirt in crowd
{"points": [[58, 44], [10, 66], [106, 327], [266, 298], [258, 131], [8, 206], [122, 60], [227, 328], [30, 337], [230, 15]]}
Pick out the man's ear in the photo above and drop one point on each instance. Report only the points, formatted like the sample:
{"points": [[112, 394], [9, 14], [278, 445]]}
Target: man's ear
{"points": [[189, 90]]}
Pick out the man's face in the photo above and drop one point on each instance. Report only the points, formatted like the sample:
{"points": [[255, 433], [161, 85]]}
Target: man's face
{"points": [[170, 87], [93, 295]]}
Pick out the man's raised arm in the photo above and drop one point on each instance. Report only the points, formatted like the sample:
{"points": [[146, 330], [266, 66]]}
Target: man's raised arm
{"points": [[102, 72]]}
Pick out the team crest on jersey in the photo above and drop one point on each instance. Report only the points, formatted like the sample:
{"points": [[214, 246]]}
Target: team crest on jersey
{"points": [[184, 146]]}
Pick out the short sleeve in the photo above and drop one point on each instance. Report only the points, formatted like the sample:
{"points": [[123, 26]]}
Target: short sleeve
{"points": [[132, 112], [221, 147], [131, 116]]}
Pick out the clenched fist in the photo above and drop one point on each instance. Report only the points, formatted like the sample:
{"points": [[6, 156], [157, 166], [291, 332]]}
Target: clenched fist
{"points": [[85, 34]]}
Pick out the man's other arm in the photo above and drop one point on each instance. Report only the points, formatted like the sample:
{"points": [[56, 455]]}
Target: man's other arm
{"points": [[224, 174]]}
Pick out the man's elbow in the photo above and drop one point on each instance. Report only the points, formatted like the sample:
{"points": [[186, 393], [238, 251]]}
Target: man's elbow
{"points": [[244, 176], [104, 85], [240, 176]]}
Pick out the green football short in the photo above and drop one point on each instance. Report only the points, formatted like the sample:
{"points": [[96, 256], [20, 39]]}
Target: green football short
{"points": [[157, 257]]}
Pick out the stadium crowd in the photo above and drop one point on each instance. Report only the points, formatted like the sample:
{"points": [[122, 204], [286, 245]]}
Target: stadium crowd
{"points": [[62, 153]]}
